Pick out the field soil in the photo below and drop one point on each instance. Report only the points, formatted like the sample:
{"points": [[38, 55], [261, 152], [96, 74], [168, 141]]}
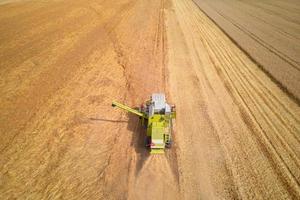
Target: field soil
{"points": [[62, 63]]}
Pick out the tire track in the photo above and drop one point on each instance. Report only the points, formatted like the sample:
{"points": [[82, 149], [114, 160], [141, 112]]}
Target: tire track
{"points": [[268, 46], [271, 117], [270, 64], [246, 84]]}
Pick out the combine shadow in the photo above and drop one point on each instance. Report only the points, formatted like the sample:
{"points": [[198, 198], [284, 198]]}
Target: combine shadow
{"points": [[138, 137], [138, 141]]}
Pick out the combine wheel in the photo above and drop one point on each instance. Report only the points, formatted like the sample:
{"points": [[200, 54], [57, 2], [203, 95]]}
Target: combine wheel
{"points": [[147, 141], [169, 144]]}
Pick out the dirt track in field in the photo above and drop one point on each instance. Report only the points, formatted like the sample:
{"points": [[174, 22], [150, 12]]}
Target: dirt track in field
{"points": [[63, 62]]}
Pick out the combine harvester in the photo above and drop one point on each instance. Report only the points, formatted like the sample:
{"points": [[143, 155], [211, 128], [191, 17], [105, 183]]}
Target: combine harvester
{"points": [[156, 116]]}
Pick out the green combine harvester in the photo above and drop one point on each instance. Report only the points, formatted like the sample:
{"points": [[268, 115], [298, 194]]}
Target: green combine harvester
{"points": [[156, 115]]}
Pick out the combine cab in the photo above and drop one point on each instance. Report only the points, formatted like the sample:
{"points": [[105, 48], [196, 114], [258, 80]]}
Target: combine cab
{"points": [[156, 115]]}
